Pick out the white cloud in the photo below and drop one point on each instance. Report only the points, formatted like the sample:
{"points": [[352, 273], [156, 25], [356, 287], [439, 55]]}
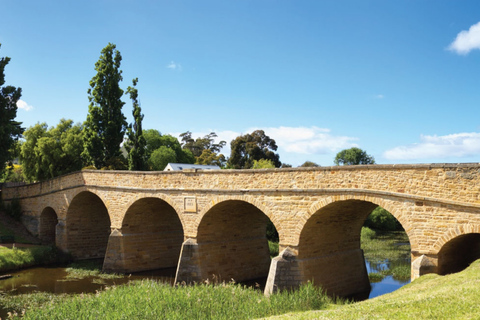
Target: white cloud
{"points": [[293, 140], [308, 140], [23, 105], [174, 66], [466, 41], [453, 145]]}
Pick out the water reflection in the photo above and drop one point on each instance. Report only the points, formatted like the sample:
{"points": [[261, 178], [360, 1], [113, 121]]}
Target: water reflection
{"points": [[55, 280], [394, 271], [387, 284]]}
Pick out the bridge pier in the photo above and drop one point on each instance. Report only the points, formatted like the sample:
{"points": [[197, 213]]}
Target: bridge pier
{"points": [[238, 260], [340, 274], [284, 272], [423, 264], [61, 240]]}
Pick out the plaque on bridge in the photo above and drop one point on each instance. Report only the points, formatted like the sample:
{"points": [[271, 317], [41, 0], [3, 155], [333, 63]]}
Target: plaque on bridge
{"points": [[190, 204]]}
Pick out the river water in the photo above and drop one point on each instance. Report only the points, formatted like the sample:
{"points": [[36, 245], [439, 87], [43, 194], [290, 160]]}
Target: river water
{"points": [[56, 280]]}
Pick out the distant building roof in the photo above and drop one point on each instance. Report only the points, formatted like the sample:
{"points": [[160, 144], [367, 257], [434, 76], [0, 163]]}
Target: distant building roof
{"points": [[181, 166]]}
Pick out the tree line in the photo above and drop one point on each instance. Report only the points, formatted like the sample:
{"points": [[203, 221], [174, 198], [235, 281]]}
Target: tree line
{"points": [[106, 141]]}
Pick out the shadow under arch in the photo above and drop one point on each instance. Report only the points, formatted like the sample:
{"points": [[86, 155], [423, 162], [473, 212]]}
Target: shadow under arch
{"points": [[231, 243], [329, 250], [87, 227], [458, 253], [151, 238], [47, 225]]}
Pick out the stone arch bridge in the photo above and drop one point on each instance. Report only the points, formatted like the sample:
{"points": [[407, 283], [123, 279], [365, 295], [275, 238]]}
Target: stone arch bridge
{"points": [[212, 223]]}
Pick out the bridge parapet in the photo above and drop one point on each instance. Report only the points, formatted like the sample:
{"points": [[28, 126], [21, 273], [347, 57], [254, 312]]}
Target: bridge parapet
{"points": [[459, 183]]}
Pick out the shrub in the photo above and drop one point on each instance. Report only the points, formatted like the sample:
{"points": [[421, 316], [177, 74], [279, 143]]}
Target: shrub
{"points": [[381, 219]]}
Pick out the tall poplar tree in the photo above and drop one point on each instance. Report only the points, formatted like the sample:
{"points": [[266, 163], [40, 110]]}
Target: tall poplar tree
{"points": [[136, 142], [10, 130], [105, 126]]}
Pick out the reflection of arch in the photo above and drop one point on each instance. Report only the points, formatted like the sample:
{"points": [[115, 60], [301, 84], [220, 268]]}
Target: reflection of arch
{"points": [[232, 238], [152, 235], [459, 248], [47, 224], [87, 226]]}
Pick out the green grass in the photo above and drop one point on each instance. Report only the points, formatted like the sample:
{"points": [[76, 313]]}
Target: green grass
{"points": [[456, 296], [88, 268], [153, 300], [17, 258], [273, 248]]}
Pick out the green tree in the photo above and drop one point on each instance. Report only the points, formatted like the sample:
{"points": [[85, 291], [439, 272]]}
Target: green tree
{"points": [[10, 130], [105, 126], [47, 153], [136, 143], [249, 147], [209, 157], [161, 157], [381, 219], [263, 164], [309, 164], [205, 150], [353, 156], [155, 140]]}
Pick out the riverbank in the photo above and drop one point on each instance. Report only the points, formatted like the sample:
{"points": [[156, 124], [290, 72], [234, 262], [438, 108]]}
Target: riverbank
{"points": [[455, 296]]}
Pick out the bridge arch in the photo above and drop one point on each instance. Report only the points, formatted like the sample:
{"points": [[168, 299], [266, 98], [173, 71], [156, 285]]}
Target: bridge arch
{"points": [[458, 248], [255, 201], [87, 226], [150, 238], [329, 246], [47, 225], [231, 239], [165, 198]]}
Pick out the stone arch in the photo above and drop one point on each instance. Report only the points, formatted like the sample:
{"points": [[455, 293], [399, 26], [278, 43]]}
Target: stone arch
{"points": [[47, 225], [457, 248], [329, 250], [87, 226], [150, 238], [379, 201], [232, 239], [249, 199], [165, 198]]}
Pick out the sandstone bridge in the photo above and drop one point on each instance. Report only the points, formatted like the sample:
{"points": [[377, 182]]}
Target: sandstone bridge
{"points": [[212, 223]]}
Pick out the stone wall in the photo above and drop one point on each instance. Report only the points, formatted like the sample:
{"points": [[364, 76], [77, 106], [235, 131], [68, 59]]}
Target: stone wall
{"points": [[220, 215]]}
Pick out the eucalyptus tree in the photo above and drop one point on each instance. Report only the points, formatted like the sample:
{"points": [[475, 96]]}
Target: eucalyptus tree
{"points": [[252, 146], [10, 130], [105, 125]]}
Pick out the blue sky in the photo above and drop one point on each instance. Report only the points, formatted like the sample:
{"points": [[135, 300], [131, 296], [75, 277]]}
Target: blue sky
{"points": [[399, 79]]}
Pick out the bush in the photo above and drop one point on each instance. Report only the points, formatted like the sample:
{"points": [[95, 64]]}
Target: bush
{"points": [[381, 219], [367, 233]]}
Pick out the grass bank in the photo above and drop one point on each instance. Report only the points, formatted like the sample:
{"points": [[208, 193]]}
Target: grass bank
{"points": [[20, 257], [455, 296], [154, 300]]}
